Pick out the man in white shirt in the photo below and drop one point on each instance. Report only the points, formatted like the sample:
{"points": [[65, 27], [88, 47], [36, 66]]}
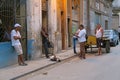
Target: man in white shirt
{"points": [[99, 35], [82, 40], [15, 38]]}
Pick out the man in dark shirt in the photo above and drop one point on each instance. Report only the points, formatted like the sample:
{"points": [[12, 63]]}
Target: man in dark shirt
{"points": [[45, 41]]}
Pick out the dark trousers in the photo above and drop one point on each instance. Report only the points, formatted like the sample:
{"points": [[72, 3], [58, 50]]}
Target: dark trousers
{"points": [[45, 45], [74, 44], [119, 36]]}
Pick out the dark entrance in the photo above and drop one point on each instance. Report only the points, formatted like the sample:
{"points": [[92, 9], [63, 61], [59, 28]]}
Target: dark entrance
{"points": [[44, 17], [106, 24]]}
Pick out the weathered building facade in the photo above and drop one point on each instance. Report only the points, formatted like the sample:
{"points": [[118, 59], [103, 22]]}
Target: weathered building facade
{"points": [[11, 11], [115, 21], [61, 18], [100, 12], [116, 17]]}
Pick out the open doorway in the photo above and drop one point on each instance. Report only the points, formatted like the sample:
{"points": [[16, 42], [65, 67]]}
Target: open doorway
{"points": [[44, 17], [69, 33], [62, 30]]}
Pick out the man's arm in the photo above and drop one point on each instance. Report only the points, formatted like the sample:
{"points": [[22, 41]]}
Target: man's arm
{"points": [[43, 33], [17, 37], [81, 33], [13, 33], [77, 32], [95, 30], [102, 32]]}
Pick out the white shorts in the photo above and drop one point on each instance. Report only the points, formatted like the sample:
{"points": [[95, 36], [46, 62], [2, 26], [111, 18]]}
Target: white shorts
{"points": [[18, 49]]}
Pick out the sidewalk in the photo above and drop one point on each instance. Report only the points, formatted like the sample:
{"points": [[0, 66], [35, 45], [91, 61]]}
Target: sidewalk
{"points": [[13, 71]]}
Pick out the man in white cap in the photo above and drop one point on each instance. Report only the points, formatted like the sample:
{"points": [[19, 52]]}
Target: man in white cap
{"points": [[15, 38]]}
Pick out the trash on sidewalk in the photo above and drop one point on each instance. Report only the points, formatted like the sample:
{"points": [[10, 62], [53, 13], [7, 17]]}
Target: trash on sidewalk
{"points": [[45, 73], [54, 58]]}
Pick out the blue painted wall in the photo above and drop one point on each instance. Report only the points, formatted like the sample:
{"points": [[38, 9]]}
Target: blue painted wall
{"points": [[8, 55], [30, 48]]}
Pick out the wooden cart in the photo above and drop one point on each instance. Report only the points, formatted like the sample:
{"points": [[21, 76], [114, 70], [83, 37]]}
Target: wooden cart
{"points": [[91, 43]]}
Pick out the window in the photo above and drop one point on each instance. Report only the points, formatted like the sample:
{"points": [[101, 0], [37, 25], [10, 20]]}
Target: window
{"points": [[75, 4], [10, 14], [97, 18], [97, 4], [6, 19]]}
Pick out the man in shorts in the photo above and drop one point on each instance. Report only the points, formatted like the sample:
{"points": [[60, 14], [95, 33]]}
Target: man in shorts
{"points": [[99, 35], [15, 39]]}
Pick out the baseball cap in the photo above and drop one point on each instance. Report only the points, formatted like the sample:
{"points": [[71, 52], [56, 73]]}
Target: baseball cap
{"points": [[17, 25]]}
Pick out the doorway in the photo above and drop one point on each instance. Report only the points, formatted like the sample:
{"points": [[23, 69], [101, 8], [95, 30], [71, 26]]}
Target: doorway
{"points": [[106, 24], [44, 17], [62, 30], [69, 33]]}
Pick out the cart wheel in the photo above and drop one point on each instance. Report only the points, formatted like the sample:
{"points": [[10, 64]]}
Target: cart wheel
{"points": [[107, 46]]}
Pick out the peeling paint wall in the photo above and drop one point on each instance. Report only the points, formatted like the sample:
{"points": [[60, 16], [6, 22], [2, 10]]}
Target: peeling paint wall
{"points": [[61, 33], [52, 22], [57, 23], [115, 22], [34, 24], [85, 18], [58, 32], [100, 13]]}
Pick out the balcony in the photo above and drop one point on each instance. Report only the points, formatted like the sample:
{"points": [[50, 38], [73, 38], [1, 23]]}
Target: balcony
{"points": [[116, 9]]}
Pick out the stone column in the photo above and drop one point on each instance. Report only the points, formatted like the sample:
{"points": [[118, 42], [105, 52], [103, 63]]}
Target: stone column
{"points": [[52, 21], [34, 24]]}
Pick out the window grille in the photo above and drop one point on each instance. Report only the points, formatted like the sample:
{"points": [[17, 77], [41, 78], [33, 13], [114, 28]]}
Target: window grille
{"points": [[9, 14], [6, 18]]}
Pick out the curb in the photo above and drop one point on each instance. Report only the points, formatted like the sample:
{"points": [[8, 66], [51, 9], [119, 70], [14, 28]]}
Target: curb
{"points": [[42, 68]]}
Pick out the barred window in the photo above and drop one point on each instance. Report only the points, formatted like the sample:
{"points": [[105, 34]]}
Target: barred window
{"points": [[9, 15], [6, 19]]}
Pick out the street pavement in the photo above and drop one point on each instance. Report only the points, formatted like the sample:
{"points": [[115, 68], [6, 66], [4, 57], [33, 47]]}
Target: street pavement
{"points": [[14, 71], [104, 67]]}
